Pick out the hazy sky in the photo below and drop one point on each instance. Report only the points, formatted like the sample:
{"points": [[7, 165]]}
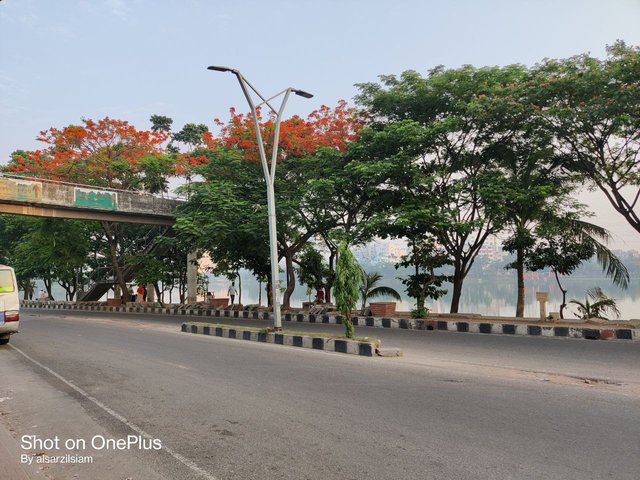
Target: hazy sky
{"points": [[66, 59]]}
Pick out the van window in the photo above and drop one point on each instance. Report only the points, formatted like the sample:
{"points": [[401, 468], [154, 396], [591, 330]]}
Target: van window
{"points": [[6, 281]]}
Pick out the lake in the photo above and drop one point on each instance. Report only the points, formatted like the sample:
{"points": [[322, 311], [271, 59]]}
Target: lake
{"points": [[490, 295]]}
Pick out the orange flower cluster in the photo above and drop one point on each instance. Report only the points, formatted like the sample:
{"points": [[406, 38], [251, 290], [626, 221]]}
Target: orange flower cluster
{"points": [[325, 127], [187, 161], [99, 152]]}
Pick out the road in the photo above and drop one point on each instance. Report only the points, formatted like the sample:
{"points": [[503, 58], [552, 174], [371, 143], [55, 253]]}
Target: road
{"points": [[456, 406]]}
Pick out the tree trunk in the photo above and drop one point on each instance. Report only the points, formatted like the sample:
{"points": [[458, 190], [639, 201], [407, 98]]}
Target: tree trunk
{"points": [[564, 295], [291, 280], [330, 277], [159, 296], [110, 229], [520, 273], [182, 286], [47, 286], [421, 296], [458, 279]]}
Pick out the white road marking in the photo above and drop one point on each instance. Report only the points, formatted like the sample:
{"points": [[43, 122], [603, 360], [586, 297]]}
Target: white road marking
{"points": [[185, 461]]}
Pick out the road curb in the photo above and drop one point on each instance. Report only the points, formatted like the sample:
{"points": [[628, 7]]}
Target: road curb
{"points": [[337, 345], [519, 329]]}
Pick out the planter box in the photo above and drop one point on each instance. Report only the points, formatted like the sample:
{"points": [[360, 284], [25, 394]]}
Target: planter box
{"points": [[219, 302], [383, 309], [113, 302]]}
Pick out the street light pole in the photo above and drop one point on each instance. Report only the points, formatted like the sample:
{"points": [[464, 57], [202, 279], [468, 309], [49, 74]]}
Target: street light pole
{"points": [[269, 172]]}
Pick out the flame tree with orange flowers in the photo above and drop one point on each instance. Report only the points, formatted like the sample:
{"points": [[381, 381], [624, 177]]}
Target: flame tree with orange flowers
{"points": [[317, 195], [105, 153]]}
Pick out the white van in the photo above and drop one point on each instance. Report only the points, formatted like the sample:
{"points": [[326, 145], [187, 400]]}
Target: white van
{"points": [[9, 304]]}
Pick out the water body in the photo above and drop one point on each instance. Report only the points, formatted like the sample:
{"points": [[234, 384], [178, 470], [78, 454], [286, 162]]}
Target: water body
{"points": [[490, 295]]}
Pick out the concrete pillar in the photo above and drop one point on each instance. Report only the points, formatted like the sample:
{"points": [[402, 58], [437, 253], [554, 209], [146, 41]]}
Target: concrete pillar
{"points": [[116, 292], [192, 277], [151, 293], [542, 297]]}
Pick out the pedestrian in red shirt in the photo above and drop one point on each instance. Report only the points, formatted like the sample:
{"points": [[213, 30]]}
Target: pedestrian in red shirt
{"points": [[140, 290]]}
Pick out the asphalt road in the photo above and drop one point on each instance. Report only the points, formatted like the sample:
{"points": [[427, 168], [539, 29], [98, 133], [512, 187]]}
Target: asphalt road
{"points": [[457, 406]]}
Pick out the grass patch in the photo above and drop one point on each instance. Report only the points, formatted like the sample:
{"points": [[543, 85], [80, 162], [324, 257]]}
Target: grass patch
{"points": [[373, 340]]}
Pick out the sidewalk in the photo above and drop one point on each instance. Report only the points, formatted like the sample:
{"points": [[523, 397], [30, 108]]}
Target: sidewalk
{"points": [[10, 466]]}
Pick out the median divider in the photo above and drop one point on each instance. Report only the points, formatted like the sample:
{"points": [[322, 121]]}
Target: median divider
{"points": [[330, 344], [464, 324]]}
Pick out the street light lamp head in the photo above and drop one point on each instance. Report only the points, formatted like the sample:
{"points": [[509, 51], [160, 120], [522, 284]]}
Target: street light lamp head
{"points": [[218, 68], [302, 93]]}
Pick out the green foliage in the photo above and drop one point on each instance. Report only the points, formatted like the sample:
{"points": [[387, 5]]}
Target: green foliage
{"points": [[316, 196], [564, 243], [593, 108], [160, 123], [425, 258], [420, 312], [53, 250], [156, 170], [432, 138], [191, 134], [226, 214], [148, 268], [348, 277], [596, 305], [312, 269]]}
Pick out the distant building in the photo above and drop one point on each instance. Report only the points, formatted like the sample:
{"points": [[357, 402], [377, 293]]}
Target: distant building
{"points": [[492, 250]]}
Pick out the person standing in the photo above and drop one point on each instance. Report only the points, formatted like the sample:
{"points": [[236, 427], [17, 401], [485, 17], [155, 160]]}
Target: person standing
{"points": [[232, 292], [42, 296], [140, 292]]}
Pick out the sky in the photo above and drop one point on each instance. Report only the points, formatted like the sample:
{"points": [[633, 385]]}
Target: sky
{"points": [[64, 60]]}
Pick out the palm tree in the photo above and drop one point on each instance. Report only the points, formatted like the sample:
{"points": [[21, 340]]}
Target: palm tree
{"points": [[369, 289], [601, 304]]}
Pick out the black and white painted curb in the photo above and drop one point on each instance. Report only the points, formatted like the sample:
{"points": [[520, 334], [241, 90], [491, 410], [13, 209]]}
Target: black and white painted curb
{"points": [[353, 347], [596, 332]]}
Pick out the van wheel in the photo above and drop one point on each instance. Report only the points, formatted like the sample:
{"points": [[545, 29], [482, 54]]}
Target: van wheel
{"points": [[4, 341]]}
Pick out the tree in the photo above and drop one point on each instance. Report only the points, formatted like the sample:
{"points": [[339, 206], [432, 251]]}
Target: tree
{"points": [[348, 277], [312, 269], [150, 270], [108, 153], [191, 135], [226, 213], [434, 135], [593, 107], [369, 288], [527, 191], [12, 229], [305, 184], [160, 123], [326, 127], [599, 306], [563, 244], [425, 257], [53, 250]]}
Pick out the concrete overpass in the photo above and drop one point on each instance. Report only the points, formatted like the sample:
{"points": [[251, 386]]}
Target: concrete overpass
{"points": [[47, 198]]}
